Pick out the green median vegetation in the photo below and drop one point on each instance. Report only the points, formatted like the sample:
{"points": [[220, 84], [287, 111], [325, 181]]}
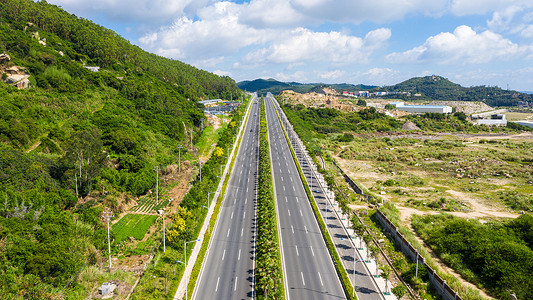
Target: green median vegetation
{"points": [[269, 275]]}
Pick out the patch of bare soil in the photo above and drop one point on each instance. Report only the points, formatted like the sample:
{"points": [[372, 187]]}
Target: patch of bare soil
{"points": [[180, 181]]}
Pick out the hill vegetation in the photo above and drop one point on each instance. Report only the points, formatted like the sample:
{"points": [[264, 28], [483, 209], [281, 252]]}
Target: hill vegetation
{"points": [[78, 142], [263, 86], [417, 88], [439, 88]]}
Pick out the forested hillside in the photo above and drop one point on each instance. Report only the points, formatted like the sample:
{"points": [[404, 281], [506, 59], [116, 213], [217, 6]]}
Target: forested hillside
{"points": [[263, 86], [439, 88], [78, 142]]}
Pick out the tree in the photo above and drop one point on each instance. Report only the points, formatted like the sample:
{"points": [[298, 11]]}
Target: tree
{"points": [[385, 273], [361, 102]]}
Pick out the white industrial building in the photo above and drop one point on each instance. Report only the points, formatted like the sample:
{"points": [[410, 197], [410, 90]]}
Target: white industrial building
{"points": [[494, 120], [420, 109]]}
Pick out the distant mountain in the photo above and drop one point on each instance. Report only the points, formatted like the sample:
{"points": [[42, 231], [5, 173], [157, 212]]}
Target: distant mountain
{"points": [[439, 88], [273, 86]]}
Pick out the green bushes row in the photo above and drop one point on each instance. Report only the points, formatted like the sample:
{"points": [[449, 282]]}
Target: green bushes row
{"points": [[269, 275]]}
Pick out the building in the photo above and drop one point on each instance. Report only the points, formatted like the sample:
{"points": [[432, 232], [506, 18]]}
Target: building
{"points": [[93, 69], [211, 102], [420, 109], [495, 120]]}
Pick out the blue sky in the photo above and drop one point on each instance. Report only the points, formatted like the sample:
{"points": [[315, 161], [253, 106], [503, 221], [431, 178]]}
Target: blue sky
{"points": [[379, 42]]}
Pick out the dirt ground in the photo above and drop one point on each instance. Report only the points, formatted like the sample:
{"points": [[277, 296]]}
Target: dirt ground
{"points": [[366, 174]]}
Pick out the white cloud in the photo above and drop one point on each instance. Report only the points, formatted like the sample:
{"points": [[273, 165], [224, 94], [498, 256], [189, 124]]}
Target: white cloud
{"points": [[222, 73], [463, 46], [357, 11], [149, 11], [527, 32], [217, 33], [332, 75], [333, 47], [382, 76], [298, 76]]}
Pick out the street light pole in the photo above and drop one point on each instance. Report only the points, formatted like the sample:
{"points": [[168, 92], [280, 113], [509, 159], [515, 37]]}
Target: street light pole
{"points": [[353, 281], [187, 278], [200, 162], [164, 235], [179, 157], [156, 169], [108, 215]]}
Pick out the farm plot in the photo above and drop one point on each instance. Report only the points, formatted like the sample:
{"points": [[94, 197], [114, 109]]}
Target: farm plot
{"points": [[148, 204], [133, 225]]}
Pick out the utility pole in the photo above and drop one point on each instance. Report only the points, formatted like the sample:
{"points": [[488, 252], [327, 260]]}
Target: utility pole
{"points": [[179, 157], [192, 147], [200, 162], [164, 236], [156, 169], [108, 215]]}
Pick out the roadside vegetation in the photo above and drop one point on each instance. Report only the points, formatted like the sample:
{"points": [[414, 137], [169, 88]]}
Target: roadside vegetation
{"points": [[495, 255]]}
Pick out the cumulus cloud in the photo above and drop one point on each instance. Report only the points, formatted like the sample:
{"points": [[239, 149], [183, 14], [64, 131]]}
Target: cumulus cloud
{"points": [[149, 11], [298, 76], [357, 11], [302, 44], [463, 46], [332, 75], [218, 32]]}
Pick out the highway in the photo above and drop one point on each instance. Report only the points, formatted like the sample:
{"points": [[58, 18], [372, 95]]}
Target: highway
{"points": [[228, 269], [366, 288], [308, 269]]}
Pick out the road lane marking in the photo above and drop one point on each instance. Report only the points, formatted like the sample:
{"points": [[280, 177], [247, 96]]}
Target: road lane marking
{"points": [[297, 254], [245, 200], [320, 277], [239, 258], [289, 212], [242, 231], [232, 215], [286, 199], [290, 178], [301, 213], [244, 215], [305, 228], [312, 252], [235, 288], [216, 288], [303, 280], [293, 188], [297, 200], [292, 228], [228, 232], [223, 254], [283, 188]]}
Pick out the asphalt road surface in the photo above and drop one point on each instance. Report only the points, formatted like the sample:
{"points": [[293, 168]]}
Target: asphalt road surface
{"points": [[228, 268], [309, 272], [365, 287]]}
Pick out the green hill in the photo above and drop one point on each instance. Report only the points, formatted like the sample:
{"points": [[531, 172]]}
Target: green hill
{"points": [[439, 88], [75, 131], [263, 86]]}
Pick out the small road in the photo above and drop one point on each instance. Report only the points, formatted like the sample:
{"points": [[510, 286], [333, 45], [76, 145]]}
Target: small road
{"points": [[308, 269], [228, 269]]}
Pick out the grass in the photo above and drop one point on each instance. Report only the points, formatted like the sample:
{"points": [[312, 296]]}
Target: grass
{"points": [[135, 226], [206, 141]]}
